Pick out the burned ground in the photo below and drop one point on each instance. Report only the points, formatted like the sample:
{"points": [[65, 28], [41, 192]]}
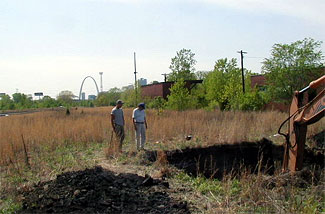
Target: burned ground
{"points": [[100, 191], [218, 160]]}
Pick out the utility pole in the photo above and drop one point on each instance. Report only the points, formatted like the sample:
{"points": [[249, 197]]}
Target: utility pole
{"points": [[165, 77], [135, 81], [101, 81], [242, 68]]}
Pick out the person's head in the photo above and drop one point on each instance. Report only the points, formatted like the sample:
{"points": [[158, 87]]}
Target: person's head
{"points": [[119, 103], [141, 106]]}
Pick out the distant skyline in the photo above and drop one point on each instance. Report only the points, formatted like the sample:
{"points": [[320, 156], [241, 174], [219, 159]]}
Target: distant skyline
{"points": [[49, 46]]}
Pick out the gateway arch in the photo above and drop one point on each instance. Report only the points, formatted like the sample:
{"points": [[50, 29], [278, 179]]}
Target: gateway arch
{"points": [[83, 84]]}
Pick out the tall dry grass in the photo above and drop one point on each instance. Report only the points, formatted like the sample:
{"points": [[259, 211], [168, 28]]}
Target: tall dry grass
{"points": [[87, 125]]}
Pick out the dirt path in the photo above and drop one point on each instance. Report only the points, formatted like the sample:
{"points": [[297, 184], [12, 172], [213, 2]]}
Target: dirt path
{"points": [[113, 186], [196, 202]]}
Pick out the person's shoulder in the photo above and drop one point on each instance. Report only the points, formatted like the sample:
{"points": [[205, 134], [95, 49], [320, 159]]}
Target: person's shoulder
{"points": [[134, 111], [114, 110]]}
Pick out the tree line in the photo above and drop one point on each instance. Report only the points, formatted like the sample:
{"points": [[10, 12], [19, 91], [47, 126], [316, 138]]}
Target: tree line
{"points": [[290, 67]]}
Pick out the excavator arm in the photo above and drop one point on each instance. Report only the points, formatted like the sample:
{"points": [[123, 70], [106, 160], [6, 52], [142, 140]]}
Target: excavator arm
{"points": [[304, 110]]}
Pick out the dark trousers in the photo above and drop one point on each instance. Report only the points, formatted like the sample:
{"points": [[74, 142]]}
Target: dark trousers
{"points": [[119, 131]]}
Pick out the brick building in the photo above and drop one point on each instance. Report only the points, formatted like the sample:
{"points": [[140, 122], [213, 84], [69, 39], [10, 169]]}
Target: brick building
{"points": [[258, 80], [162, 89]]}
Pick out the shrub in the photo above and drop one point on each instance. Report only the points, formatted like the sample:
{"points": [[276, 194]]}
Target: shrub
{"points": [[156, 103], [250, 101], [180, 98]]}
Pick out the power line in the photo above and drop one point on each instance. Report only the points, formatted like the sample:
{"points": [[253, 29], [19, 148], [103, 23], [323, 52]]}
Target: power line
{"points": [[257, 57]]}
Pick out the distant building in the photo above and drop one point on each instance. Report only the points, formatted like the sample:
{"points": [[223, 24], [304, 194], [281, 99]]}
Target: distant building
{"points": [[127, 87], [91, 97], [142, 81], [162, 89], [258, 81], [83, 96]]}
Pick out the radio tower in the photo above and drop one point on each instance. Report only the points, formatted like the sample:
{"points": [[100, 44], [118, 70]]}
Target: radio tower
{"points": [[101, 81]]}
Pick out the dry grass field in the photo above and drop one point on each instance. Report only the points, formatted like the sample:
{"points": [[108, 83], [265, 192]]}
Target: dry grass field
{"points": [[165, 129], [40, 146]]}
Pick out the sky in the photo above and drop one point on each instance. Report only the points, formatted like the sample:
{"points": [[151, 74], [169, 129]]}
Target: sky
{"points": [[49, 46]]}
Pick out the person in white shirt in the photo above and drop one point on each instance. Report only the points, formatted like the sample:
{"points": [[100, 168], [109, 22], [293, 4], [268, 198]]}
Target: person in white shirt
{"points": [[140, 125]]}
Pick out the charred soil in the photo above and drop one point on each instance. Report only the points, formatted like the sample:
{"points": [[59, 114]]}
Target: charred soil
{"points": [[219, 160], [98, 190]]}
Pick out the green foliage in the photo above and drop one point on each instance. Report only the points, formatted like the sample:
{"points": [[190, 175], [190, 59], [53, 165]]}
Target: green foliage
{"points": [[180, 98], [201, 74], [131, 97], [47, 102], [202, 184], [10, 206], [223, 88], [198, 94], [223, 84], [252, 101], [6, 103], [182, 66], [108, 98], [21, 101], [156, 103], [292, 66]]}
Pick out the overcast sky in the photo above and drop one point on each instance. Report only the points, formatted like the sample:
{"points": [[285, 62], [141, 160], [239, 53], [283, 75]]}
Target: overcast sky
{"points": [[51, 45]]}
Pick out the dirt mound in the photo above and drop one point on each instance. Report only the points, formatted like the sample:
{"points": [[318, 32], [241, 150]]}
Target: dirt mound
{"points": [[100, 191]]}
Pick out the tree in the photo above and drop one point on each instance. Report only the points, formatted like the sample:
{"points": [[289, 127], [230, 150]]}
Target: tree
{"points": [[156, 103], [108, 98], [292, 66], [47, 102], [223, 84], [182, 66], [180, 98], [22, 101], [131, 97], [224, 88], [65, 97], [6, 103], [199, 93], [201, 74], [252, 100]]}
